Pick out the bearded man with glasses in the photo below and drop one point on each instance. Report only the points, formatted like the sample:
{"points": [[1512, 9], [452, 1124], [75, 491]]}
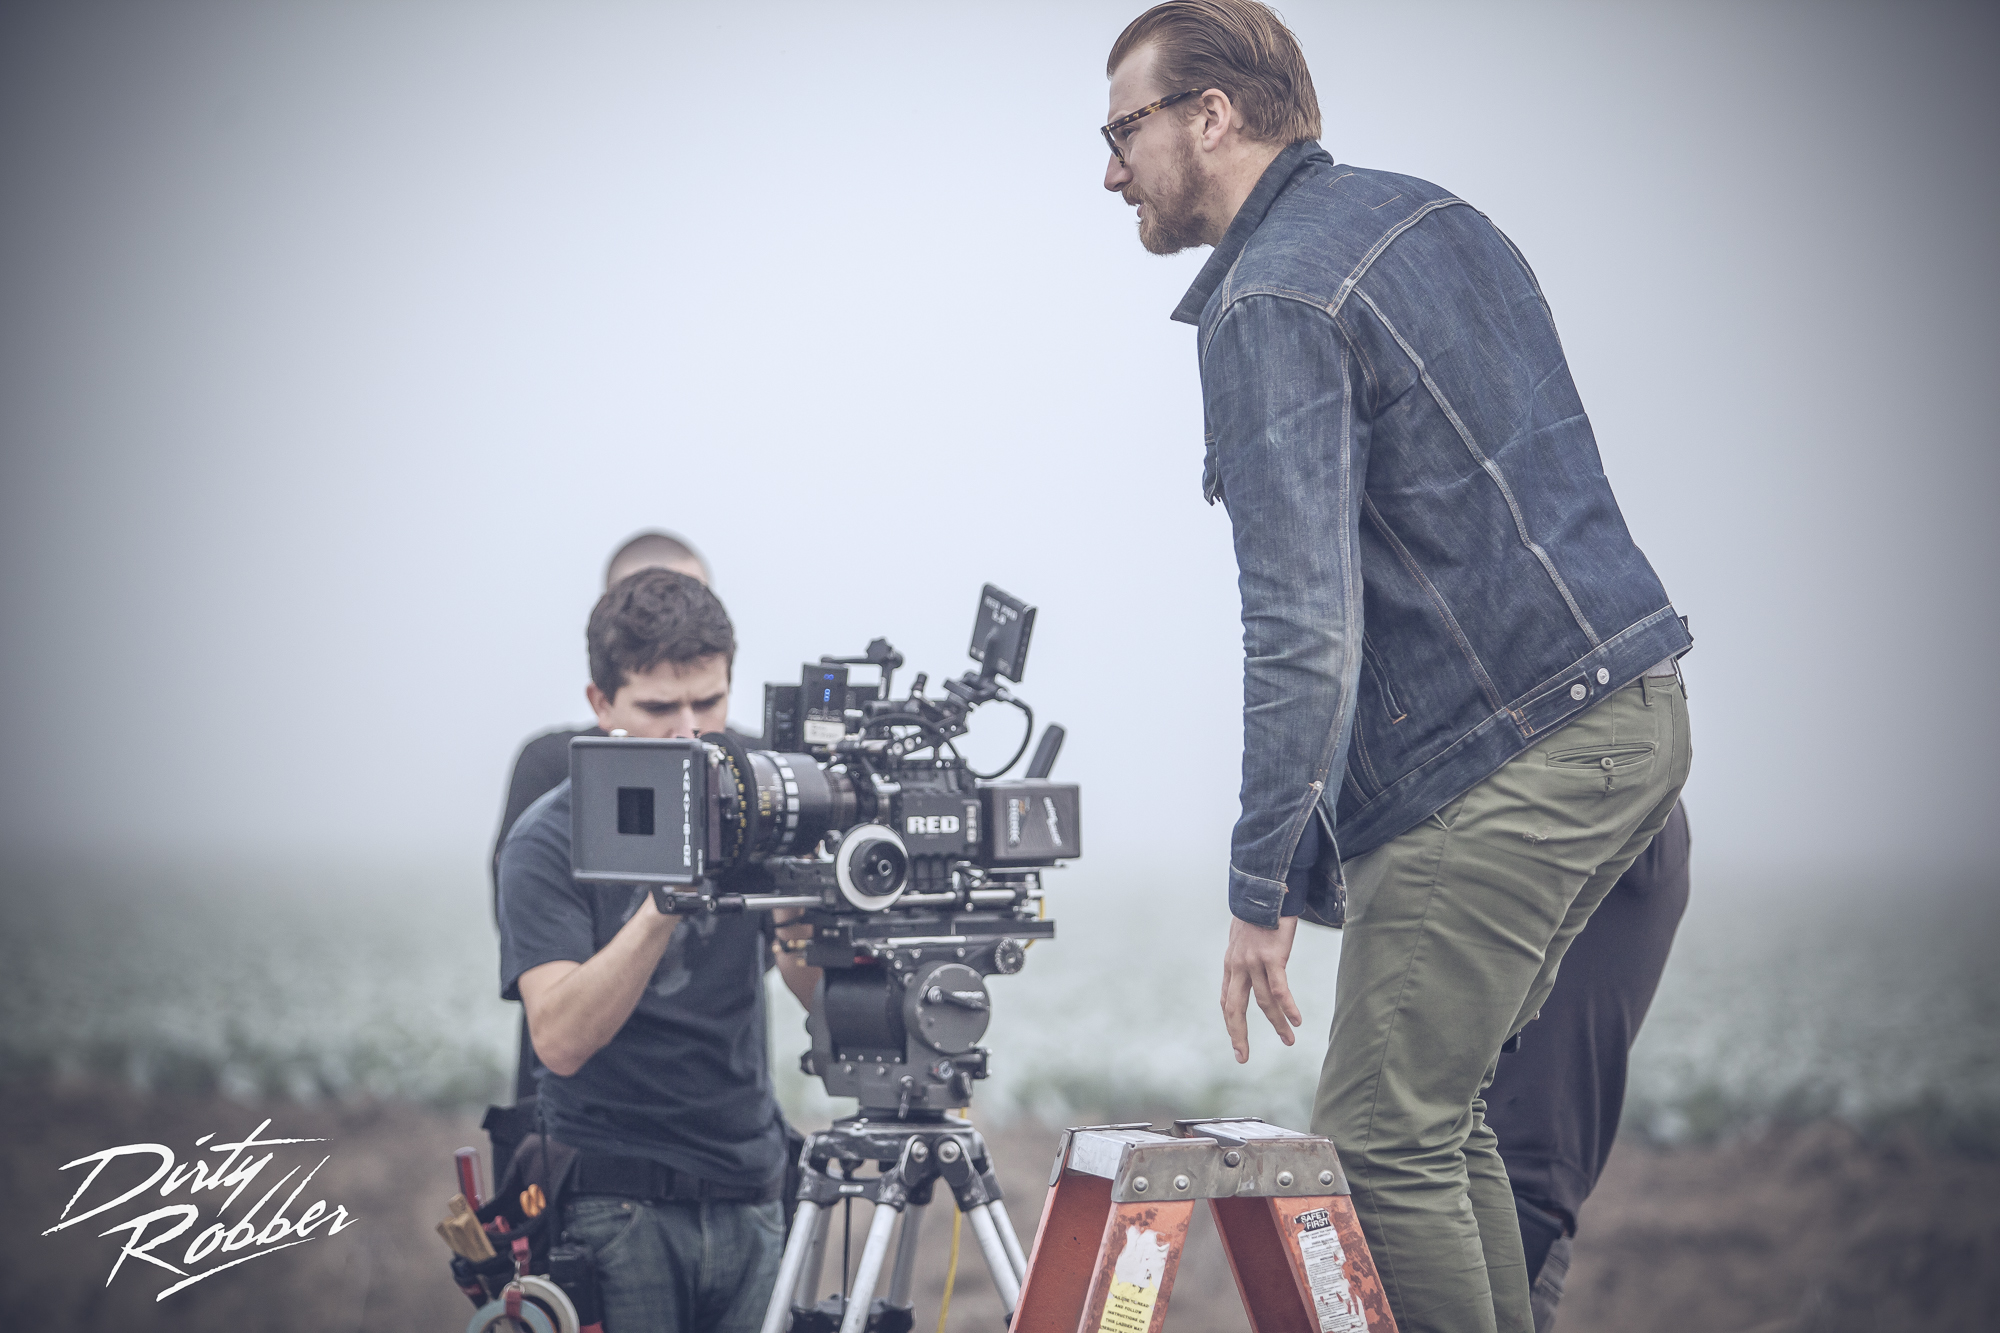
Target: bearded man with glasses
{"points": [[1463, 721]]}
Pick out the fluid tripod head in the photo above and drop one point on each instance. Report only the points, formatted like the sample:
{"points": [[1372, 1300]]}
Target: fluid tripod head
{"points": [[919, 876]]}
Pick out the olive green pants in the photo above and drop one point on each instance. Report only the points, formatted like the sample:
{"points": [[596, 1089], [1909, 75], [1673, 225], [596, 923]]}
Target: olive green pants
{"points": [[1454, 932]]}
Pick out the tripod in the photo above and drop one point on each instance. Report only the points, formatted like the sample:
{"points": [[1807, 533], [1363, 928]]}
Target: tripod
{"points": [[912, 1154]]}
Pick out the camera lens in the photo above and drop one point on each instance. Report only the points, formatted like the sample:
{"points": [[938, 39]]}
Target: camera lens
{"points": [[795, 803]]}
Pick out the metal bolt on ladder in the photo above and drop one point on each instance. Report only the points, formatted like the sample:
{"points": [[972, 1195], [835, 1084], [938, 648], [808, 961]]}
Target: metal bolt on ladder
{"points": [[1117, 1215]]}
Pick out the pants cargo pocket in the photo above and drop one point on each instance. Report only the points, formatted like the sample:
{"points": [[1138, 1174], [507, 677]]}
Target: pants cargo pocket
{"points": [[1604, 767]]}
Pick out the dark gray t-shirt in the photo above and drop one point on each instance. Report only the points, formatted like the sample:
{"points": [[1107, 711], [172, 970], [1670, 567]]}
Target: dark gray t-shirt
{"points": [[686, 1081]]}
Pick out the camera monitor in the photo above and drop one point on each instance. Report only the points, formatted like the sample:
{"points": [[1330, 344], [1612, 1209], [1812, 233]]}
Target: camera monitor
{"points": [[638, 809], [1000, 634]]}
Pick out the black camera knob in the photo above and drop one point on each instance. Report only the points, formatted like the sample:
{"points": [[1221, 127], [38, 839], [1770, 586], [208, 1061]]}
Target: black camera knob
{"points": [[948, 1009], [1008, 957], [880, 868]]}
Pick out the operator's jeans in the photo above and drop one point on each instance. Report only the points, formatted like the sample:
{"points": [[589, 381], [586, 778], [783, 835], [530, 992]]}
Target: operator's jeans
{"points": [[680, 1267], [1454, 932]]}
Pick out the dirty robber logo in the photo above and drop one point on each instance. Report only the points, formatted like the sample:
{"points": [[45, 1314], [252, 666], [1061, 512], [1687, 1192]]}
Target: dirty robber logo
{"points": [[235, 1169]]}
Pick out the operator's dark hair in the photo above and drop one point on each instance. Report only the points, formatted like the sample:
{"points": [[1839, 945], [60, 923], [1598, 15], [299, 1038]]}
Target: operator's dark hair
{"points": [[654, 616], [1238, 46]]}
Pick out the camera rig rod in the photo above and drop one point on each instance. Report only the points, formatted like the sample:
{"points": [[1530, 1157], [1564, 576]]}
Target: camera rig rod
{"points": [[693, 904]]}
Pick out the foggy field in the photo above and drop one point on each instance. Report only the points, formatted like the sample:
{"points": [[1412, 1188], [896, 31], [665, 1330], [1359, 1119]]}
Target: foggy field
{"points": [[1811, 1145], [316, 983], [1794, 1230]]}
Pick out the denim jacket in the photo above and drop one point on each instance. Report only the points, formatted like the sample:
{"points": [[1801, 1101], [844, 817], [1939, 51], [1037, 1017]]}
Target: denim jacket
{"points": [[1434, 572]]}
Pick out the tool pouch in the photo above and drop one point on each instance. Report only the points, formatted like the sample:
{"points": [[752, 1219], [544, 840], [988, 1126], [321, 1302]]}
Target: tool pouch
{"points": [[506, 1127], [467, 1278], [574, 1269], [493, 1274], [538, 1178]]}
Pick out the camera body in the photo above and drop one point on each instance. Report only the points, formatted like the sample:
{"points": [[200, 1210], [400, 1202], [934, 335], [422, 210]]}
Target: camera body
{"points": [[682, 814], [919, 877]]}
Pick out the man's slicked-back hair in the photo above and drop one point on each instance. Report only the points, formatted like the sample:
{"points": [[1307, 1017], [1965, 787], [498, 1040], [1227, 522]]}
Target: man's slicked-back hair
{"points": [[654, 616], [652, 547], [1239, 46]]}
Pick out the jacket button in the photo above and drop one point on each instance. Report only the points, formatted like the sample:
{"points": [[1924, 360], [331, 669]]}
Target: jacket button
{"points": [[1606, 761], [1577, 691], [1603, 676]]}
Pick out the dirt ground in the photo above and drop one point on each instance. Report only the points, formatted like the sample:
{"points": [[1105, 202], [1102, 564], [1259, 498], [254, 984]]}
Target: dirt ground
{"points": [[1803, 1231]]}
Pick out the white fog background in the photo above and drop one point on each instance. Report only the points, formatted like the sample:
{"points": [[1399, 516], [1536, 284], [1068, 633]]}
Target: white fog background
{"points": [[339, 344]]}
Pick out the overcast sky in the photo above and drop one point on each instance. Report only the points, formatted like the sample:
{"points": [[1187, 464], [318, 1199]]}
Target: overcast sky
{"points": [[340, 343]]}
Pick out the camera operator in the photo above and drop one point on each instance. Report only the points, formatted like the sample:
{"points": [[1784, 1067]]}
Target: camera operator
{"points": [[543, 760], [650, 1027], [1391, 424]]}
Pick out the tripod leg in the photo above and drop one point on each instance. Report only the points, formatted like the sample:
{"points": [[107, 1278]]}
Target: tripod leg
{"points": [[862, 1293], [778, 1314], [1010, 1239], [906, 1256], [997, 1259], [808, 1292]]}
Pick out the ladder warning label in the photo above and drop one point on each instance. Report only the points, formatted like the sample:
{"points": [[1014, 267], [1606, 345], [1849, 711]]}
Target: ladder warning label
{"points": [[1339, 1309], [1135, 1283], [1128, 1309]]}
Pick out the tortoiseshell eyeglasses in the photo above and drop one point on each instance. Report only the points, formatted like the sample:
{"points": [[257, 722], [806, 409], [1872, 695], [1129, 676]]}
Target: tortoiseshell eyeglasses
{"points": [[1120, 129]]}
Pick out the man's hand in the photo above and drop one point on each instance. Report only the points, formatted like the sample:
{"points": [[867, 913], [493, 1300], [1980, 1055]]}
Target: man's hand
{"points": [[799, 978], [1254, 962]]}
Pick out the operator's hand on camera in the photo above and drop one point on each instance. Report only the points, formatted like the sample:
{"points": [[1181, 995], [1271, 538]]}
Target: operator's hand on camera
{"points": [[1254, 964], [801, 979]]}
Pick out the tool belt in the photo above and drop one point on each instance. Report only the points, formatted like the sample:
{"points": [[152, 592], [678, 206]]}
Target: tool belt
{"points": [[655, 1182], [530, 1194]]}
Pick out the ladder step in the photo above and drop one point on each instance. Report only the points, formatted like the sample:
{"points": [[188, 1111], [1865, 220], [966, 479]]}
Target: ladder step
{"points": [[1117, 1216]]}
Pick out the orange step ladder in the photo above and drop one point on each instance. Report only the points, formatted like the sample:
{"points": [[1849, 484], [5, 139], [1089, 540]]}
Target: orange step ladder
{"points": [[1117, 1215]]}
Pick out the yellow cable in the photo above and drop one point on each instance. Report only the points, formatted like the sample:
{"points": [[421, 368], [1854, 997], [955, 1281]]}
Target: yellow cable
{"points": [[951, 1270], [951, 1264]]}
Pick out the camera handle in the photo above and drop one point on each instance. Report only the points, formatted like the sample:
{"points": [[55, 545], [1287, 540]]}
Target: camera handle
{"points": [[1046, 752], [880, 654], [689, 903]]}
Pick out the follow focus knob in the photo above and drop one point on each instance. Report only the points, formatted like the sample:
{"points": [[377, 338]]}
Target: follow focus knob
{"points": [[871, 867]]}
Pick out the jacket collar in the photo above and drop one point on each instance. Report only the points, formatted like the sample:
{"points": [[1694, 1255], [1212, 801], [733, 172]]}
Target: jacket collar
{"points": [[1269, 186]]}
